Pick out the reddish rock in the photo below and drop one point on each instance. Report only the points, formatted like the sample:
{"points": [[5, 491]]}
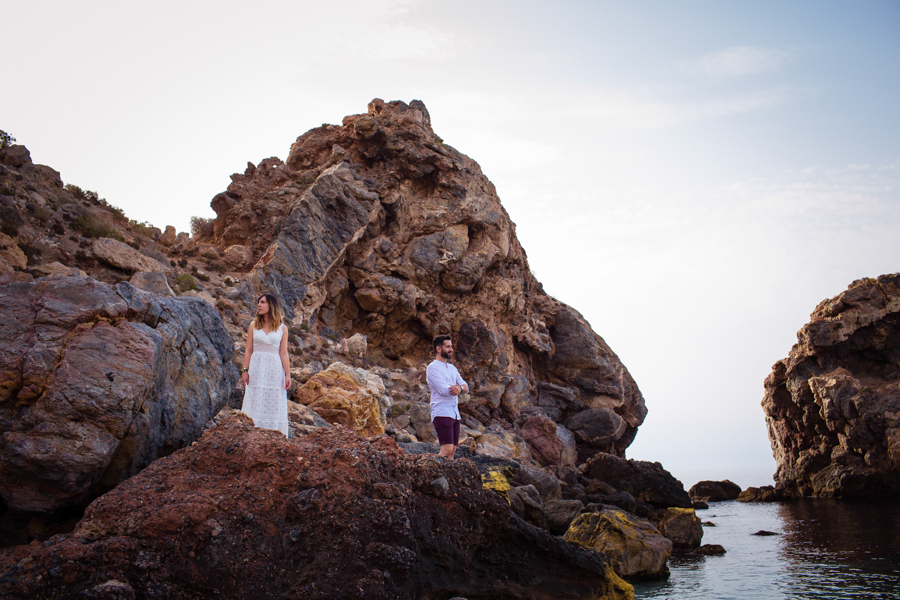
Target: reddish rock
{"points": [[378, 227], [714, 491], [246, 513], [833, 405]]}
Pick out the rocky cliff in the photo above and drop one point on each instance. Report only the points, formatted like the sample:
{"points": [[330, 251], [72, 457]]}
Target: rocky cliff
{"points": [[378, 227], [833, 405], [118, 348]]}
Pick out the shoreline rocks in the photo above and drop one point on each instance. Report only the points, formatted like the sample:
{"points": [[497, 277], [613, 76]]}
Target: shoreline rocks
{"points": [[833, 406]]}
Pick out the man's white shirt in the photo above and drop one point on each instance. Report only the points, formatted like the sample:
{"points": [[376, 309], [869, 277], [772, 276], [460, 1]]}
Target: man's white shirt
{"points": [[441, 376]]}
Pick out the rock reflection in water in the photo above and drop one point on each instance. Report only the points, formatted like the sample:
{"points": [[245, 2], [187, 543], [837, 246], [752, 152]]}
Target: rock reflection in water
{"points": [[834, 549], [841, 548]]}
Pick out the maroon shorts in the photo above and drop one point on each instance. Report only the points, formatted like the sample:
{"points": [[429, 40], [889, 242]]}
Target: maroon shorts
{"points": [[447, 429]]}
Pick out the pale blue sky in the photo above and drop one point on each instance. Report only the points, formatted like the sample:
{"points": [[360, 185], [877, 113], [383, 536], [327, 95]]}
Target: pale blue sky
{"points": [[694, 177]]}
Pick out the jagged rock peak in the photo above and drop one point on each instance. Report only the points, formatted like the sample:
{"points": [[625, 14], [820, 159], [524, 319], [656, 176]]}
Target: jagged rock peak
{"points": [[378, 227], [833, 405]]}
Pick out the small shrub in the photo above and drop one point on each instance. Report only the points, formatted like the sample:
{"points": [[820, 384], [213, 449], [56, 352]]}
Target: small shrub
{"points": [[58, 229], [201, 228], [94, 229], [201, 276], [182, 263], [185, 282], [217, 266], [10, 221], [6, 140], [304, 326], [229, 282]]}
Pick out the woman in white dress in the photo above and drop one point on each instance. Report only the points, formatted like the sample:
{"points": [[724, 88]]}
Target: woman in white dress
{"points": [[266, 372]]}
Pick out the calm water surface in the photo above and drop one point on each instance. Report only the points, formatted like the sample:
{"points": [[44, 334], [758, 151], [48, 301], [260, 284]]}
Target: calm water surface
{"points": [[831, 549]]}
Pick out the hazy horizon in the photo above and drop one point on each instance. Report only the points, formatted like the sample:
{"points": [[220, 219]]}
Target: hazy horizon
{"points": [[694, 178]]}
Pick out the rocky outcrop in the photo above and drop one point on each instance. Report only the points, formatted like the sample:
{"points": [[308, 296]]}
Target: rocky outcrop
{"points": [[342, 394], [97, 381], [714, 491], [646, 481], [247, 513], [634, 546], [682, 526], [377, 227], [833, 405]]}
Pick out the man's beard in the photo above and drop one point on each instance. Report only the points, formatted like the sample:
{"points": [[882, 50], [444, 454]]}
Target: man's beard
{"points": [[448, 354]]}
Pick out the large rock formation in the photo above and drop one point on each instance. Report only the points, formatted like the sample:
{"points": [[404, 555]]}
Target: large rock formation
{"points": [[833, 405], [246, 513], [378, 227], [97, 381]]}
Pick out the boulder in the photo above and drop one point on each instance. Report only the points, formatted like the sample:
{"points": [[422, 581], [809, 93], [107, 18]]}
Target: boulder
{"points": [[682, 526], [634, 546], [546, 484], [526, 501], [765, 493], [644, 480], [328, 515], [168, 237], [503, 444], [11, 256], [540, 433], [125, 257], [342, 394], [833, 405], [155, 282], [560, 514], [97, 381], [238, 256], [714, 491], [56, 269], [303, 420], [15, 156], [356, 345]]}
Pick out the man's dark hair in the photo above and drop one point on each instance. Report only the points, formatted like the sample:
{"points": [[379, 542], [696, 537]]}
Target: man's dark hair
{"points": [[438, 342]]}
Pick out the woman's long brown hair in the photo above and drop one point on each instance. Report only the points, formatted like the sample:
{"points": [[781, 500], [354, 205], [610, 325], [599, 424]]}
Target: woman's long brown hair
{"points": [[274, 318]]}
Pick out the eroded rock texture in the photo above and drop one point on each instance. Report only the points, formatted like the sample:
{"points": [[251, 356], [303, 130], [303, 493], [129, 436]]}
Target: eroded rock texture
{"points": [[833, 405], [246, 513], [378, 227], [96, 381]]}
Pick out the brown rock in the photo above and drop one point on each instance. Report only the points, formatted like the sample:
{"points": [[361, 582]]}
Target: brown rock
{"points": [[635, 547], [245, 508], [714, 491], [168, 238], [832, 406], [682, 526], [11, 256], [125, 257], [238, 256], [342, 394], [155, 282], [644, 480], [377, 227], [97, 381]]}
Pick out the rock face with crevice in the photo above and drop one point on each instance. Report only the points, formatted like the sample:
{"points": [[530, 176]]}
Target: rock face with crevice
{"points": [[97, 381], [378, 227], [833, 405]]}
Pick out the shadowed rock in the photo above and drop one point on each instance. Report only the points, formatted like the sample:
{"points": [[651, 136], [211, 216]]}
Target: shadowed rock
{"points": [[328, 515], [833, 406], [96, 381]]}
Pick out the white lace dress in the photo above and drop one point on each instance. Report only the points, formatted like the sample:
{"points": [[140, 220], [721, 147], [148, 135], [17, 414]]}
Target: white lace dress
{"points": [[265, 399]]}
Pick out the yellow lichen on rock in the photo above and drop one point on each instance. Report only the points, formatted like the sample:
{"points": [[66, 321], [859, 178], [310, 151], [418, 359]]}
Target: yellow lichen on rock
{"points": [[621, 589], [634, 546], [495, 478], [342, 394]]}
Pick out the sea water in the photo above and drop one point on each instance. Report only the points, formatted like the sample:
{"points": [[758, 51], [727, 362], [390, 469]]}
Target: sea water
{"points": [[832, 549]]}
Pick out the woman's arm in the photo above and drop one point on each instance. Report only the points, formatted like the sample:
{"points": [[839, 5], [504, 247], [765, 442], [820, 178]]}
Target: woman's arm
{"points": [[285, 360], [245, 375]]}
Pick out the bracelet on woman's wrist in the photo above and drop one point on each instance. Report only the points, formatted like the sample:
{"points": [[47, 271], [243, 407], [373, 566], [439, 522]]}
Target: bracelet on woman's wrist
{"points": [[244, 370]]}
